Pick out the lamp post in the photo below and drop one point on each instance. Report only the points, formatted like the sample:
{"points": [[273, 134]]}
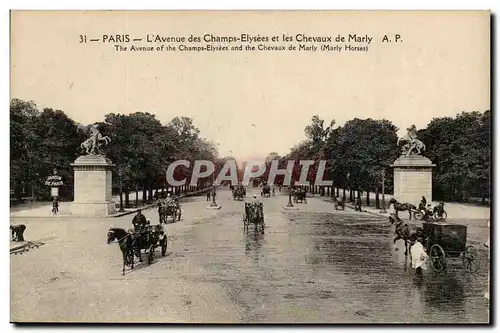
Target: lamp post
{"points": [[166, 183], [33, 182], [121, 189], [290, 204], [383, 192], [213, 204]]}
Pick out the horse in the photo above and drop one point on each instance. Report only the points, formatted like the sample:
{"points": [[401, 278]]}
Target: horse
{"points": [[125, 241], [411, 144], [402, 207], [407, 233]]}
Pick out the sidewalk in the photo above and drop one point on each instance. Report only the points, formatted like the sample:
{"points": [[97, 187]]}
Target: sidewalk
{"points": [[45, 210], [453, 209]]}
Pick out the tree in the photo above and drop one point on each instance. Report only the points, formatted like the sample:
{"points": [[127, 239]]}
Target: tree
{"points": [[41, 142], [140, 148], [316, 131], [363, 148], [58, 147], [460, 148], [23, 142]]}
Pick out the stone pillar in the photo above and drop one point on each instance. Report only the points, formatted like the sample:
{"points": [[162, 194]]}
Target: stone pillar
{"points": [[412, 179], [93, 184]]}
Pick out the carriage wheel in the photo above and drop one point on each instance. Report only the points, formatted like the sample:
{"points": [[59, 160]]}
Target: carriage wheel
{"points": [[151, 254], [163, 245], [443, 216], [470, 258], [438, 258], [418, 216]]}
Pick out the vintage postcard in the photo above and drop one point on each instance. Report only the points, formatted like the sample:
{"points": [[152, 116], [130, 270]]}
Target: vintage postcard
{"points": [[250, 167]]}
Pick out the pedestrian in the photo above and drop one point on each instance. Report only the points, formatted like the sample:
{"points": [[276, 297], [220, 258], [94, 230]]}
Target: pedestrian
{"points": [[160, 211], [55, 206], [393, 213], [357, 205], [208, 195], [418, 256]]}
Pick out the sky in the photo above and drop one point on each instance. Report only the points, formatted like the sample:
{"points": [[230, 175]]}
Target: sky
{"points": [[254, 103]]}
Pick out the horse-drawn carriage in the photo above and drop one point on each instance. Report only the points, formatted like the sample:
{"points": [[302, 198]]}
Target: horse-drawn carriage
{"points": [[254, 214], [239, 193], [429, 213], [436, 213], [443, 241], [266, 191], [138, 242], [299, 196], [170, 208]]}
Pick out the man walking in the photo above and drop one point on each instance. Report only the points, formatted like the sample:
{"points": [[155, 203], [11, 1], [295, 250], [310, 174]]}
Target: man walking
{"points": [[55, 206]]}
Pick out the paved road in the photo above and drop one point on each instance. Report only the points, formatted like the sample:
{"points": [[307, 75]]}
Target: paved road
{"points": [[311, 265]]}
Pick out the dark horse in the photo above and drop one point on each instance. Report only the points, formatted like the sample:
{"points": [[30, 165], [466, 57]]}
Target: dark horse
{"points": [[407, 233], [126, 243], [401, 207]]}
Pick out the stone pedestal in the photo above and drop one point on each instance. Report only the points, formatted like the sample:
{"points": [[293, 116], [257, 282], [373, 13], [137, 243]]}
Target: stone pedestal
{"points": [[412, 179], [93, 184]]}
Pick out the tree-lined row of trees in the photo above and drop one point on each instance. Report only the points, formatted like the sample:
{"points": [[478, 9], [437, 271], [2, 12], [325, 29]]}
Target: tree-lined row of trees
{"points": [[141, 148], [359, 152]]}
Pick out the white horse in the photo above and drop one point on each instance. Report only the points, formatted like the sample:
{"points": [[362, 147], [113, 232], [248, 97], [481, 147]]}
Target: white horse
{"points": [[418, 145], [88, 144]]}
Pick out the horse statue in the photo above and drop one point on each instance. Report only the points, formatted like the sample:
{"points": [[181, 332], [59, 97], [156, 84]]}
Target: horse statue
{"points": [[413, 146], [93, 144]]}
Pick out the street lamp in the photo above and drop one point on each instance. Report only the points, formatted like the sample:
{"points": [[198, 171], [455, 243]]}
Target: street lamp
{"points": [[213, 204], [383, 192], [121, 189], [290, 204]]}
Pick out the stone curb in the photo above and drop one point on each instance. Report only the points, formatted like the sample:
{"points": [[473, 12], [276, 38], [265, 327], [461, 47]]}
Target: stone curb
{"points": [[351, 206], [119, 214], [155, 204]]}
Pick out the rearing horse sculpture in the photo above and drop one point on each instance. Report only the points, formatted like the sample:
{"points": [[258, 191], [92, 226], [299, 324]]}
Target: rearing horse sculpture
{"points": [[413, 145], [92, 145]]}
